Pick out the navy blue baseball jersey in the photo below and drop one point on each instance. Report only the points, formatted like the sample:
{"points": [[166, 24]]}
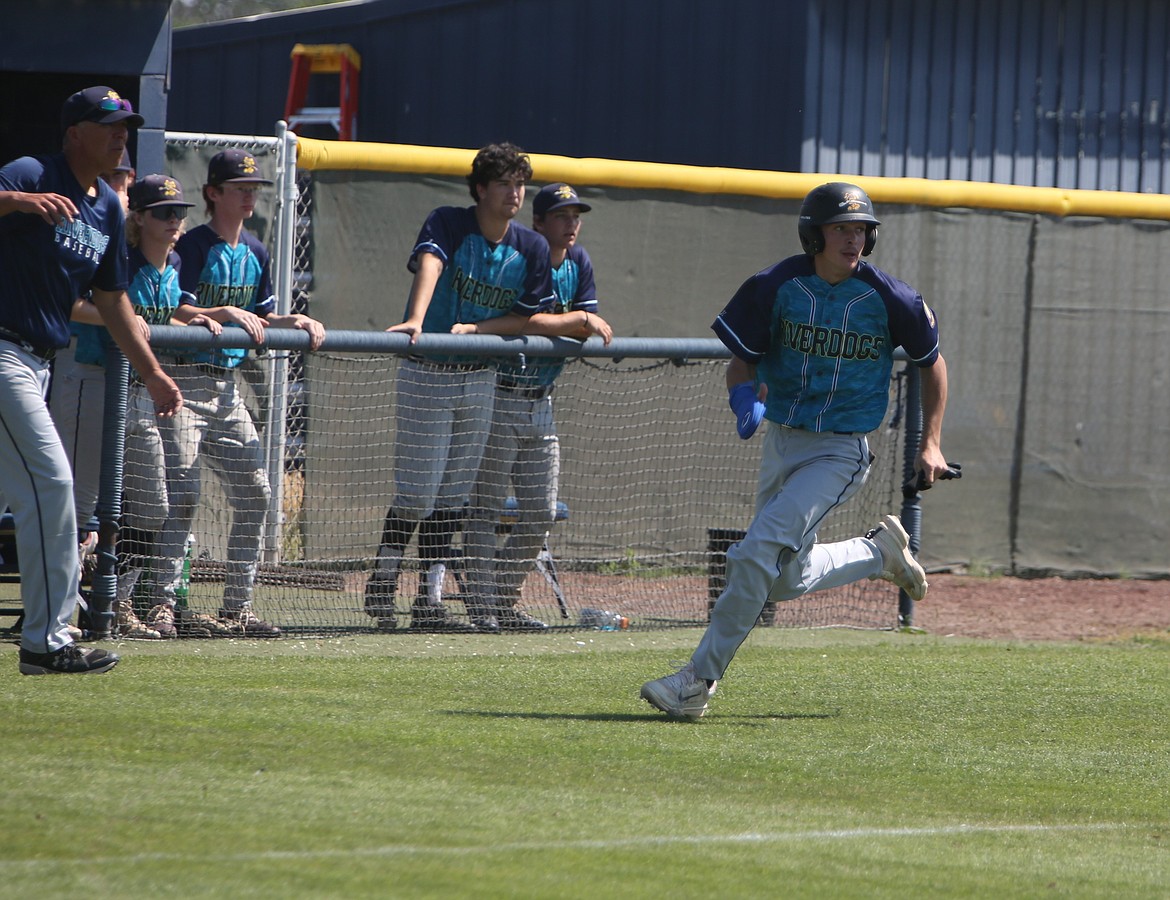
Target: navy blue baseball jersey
{"points": [[481, 280], [214, 273], [826, 351], [574, 288], [40, 281]]}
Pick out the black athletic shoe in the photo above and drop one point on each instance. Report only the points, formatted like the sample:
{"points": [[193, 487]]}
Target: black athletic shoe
{"points": [[512, 619], [380, 592], [248, 622], [484, 619], [436, 619], [70, 659]]}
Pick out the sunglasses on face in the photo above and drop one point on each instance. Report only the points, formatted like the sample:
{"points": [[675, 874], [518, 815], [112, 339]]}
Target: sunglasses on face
{"points": [[109, 104], [165, 213]]}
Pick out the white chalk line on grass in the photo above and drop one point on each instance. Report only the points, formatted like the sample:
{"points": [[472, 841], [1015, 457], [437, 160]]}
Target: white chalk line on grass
{"points": [[608, 844]]}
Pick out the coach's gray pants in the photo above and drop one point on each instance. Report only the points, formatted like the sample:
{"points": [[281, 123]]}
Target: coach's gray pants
{"points": [[804, 475], [36, 483]]}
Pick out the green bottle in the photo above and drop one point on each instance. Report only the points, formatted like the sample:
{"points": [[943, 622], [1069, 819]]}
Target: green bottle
{"points": [[183, 591]]}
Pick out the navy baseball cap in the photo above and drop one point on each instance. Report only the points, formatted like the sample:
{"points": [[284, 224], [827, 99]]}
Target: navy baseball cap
{"points": [[99, 104], [156, 190], [554, 196], [236, 166]]}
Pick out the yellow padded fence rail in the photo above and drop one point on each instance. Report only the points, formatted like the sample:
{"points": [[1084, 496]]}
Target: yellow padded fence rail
{"points": [[319, 155]]}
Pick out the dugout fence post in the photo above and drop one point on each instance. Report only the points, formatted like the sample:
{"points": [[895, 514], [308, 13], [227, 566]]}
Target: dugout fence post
{"points": [[911, 513], [282, 276], [104, 586]]}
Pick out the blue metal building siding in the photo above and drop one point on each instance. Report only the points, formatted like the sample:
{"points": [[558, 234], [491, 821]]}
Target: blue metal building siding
{"points": [[1064, 93], [683, 81], [1054, 93]]}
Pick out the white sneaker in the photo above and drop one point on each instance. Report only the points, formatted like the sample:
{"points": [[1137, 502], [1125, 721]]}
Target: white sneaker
{"points": [[898, 564], [682, 694]]}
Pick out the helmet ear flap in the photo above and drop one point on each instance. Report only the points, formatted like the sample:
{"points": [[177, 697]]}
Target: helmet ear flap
{"points": [[870, 240], [812, 239]]}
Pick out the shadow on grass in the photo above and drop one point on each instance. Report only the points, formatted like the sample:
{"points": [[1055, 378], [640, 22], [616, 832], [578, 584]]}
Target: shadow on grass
{"points": [[757, 719]]}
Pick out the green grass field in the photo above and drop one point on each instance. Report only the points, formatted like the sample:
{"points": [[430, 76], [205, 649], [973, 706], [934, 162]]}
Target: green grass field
{"points": [[832, 764]]}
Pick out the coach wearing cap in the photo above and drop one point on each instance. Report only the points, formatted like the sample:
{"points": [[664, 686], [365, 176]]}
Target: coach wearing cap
{"points": [[62, 233]]}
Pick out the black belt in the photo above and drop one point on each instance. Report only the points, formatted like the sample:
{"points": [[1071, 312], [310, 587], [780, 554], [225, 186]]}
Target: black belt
{"points": [[45, 353], [448, 366], [539, 392]]}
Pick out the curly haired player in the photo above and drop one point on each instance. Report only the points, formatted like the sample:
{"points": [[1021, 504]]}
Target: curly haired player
{"points": [[812, 341], [470, 264]]}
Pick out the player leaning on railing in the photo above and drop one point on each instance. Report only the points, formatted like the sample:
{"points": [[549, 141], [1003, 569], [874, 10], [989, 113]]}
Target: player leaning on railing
{"points": [[470, 264], [812, 341], [523, 449]]}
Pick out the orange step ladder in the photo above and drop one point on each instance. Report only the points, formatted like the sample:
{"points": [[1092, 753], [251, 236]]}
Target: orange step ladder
{"points": [[326, 59]]}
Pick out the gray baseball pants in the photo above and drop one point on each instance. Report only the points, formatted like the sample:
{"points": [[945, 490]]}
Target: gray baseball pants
{"points": [[214, 428], [804, 476], [524, 452], [36, 484]]}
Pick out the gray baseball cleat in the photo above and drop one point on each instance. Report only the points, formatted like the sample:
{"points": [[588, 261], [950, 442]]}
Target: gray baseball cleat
{"points": [[898, 564], [683, 694]]}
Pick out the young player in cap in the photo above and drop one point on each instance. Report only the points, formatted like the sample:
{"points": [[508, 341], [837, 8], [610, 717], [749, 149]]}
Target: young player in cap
{"points": [[523, 449], [62, 233], [812, 341], [470, 264], [225, 273], [153, 226]]}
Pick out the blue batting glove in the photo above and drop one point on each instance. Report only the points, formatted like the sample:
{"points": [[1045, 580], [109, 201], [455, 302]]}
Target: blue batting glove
{"points": [[749, 411]]}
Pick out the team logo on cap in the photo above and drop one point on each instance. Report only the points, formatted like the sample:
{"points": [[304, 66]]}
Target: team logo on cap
{"points": [[170, 188], [248, 165], [564, 192]]}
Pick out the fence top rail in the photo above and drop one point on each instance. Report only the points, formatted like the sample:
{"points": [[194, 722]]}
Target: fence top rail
{"points": [[486, 345], [396, 343]]}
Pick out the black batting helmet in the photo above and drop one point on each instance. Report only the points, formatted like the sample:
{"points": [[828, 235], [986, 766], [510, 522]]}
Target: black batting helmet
{"points": [[835, 202]]}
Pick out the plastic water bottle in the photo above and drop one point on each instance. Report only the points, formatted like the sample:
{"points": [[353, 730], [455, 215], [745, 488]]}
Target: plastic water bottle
{"points": [[183, 590], [603, 619]]}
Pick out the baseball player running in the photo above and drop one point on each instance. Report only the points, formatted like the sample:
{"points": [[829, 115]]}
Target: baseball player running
{"points": [[62, 233], [523, 448], [812, 339], [470, 264]]}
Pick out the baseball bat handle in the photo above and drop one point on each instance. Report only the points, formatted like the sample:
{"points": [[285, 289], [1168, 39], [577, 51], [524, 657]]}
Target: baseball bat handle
{"points": [[918, 483]]}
